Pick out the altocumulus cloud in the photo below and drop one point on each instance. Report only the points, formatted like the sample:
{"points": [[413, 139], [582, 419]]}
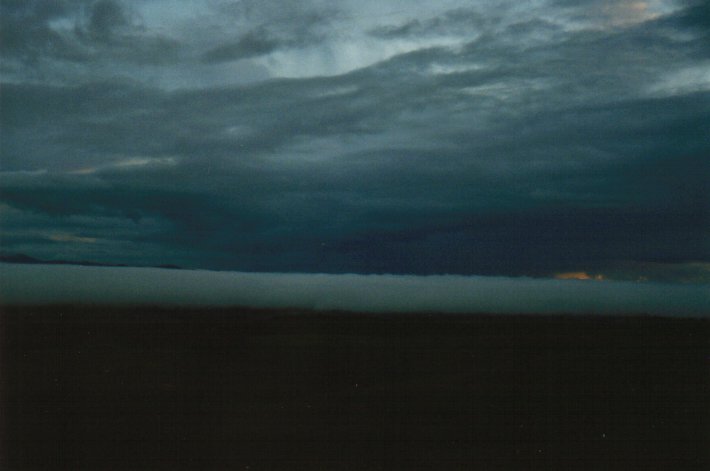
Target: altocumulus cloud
{"points": [[494, 138], [40, 284]]}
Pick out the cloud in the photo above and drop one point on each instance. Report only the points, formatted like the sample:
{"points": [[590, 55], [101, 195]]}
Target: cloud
{"points": [[37, 284], [305, 26], [63, 237], [105, 17], [250, 45], [26, 31], [40, 36], [283, 136], [266, 203], [457, 21]]}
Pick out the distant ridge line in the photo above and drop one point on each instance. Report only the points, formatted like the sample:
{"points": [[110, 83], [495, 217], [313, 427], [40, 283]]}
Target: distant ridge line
{"points": [[28, 260]]}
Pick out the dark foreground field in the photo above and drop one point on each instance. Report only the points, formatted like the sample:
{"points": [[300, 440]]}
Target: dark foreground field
{"points": [[128, 389]]}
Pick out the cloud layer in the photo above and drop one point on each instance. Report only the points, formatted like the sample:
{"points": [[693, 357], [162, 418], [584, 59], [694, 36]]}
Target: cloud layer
{"points": [[498, 138]]}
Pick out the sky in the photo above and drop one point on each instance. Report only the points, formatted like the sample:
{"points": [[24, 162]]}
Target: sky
{"points": [[547, 138]]}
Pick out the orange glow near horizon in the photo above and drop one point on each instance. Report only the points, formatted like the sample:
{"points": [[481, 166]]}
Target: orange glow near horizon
{"points": [[578, 275]]}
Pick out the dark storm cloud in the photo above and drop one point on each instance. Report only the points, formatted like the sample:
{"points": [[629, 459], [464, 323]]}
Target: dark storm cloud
{"points": [[519, 145], [303, 29], [459, 21], [112, 32], [26, 32], [252, 44], [79, 31], [106, 18]]}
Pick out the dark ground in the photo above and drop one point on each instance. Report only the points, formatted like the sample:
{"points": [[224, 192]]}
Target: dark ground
{"points": [[128, 389]]}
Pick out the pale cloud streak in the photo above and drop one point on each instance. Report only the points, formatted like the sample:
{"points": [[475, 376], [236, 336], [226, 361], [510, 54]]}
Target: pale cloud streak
{"points": [[64, 237]]}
